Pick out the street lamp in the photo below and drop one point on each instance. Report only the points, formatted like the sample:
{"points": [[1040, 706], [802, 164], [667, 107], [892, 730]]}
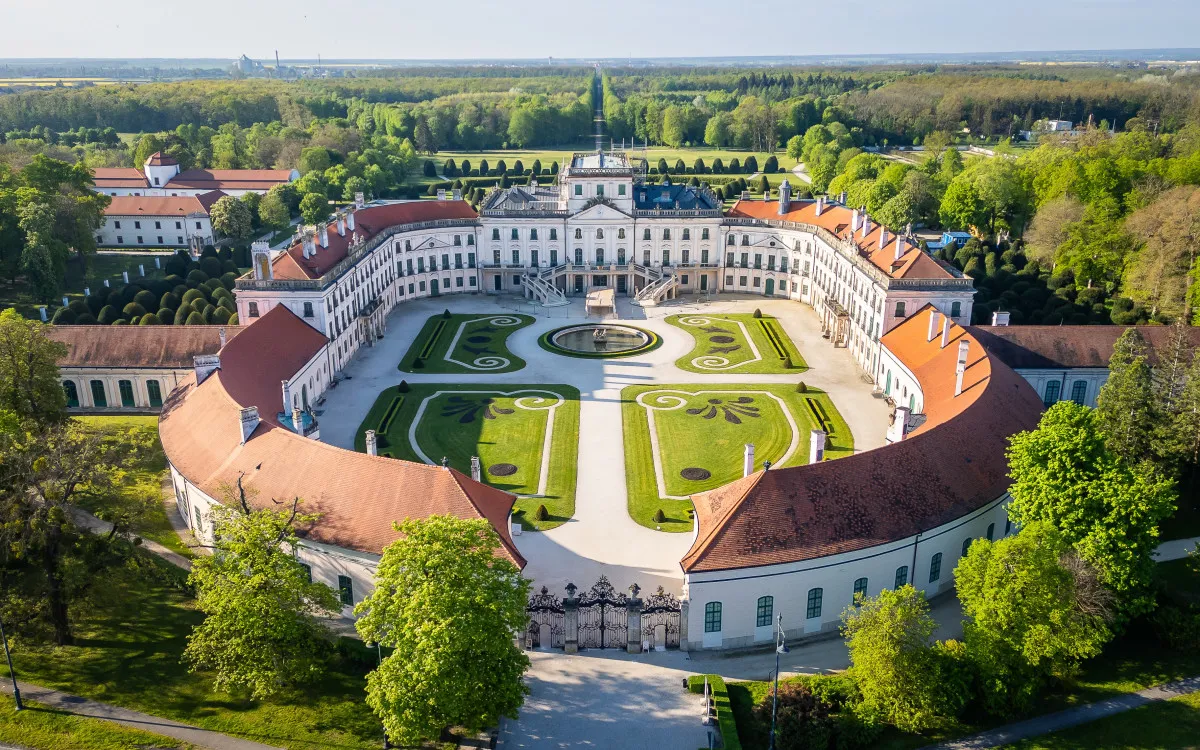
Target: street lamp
{"points": [[780, 648], [11, 673], [387, 745]]}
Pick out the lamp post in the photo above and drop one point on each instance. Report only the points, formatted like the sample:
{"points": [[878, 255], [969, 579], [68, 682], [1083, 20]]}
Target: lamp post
{"points": [[780, 648], [11, 673], [387, 745]]}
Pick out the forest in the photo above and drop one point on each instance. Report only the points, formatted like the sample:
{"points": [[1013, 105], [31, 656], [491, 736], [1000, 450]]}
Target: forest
{"points": [[1096, 225]]}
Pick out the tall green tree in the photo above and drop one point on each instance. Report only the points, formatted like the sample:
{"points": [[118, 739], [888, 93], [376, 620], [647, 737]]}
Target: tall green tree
{"points": [[314, 209], [30, 387], [1126, 405], [231, 217], [273, 213], [449, 607], [261, 631], [1107, 509]]}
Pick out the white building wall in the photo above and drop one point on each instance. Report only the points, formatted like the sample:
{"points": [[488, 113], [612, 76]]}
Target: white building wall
{"points": [[1080, 384], [174, 231], [111, 378]]}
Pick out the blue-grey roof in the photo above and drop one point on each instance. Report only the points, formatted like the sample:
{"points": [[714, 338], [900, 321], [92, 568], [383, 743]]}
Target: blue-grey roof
{"points": [[683, 197]]}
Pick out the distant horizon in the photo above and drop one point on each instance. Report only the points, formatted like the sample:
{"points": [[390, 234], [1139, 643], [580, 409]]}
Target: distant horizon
{"points": [[617, 29]]}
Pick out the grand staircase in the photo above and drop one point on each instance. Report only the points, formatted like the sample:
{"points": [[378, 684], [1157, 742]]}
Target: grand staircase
{"points": [[541, 288], [659, 286]]}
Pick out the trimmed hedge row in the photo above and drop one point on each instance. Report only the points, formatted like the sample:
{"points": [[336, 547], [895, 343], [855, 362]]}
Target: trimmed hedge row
{"points": [[434, 335], [386, 421], [726, 723], [818, 412], [773, 336]]}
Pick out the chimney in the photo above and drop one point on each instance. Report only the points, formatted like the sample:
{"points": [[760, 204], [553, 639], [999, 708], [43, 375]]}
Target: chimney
{"points": [[205, 365], [221, 336], [1000, 318], [820, 207], [899, 248], [249, 420], [360, 200], [324, 234], [350, 219], [457, 193], [933, 321], [341, 224], [297, 420], [748, 460], [899, 428], [961, 368], [785, 198], [945, 330], [866, 224], [816, 446], [476, 469], [854, 221], [372, 444], [310, 248], [883, 237], [287, 395]]}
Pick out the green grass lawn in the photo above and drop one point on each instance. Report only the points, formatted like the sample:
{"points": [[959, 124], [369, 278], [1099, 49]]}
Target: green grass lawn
{"points": [[480, 420], [45, 728], [1169, 725], [469, 344], [737, 343], [702, 426], [129, 642], [141, 485]]}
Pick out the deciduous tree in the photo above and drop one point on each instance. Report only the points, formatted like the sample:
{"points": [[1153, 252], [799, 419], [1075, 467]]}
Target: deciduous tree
{"points": [[231, 218]]}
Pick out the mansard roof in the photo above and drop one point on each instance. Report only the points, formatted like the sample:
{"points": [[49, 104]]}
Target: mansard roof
{"points": [[681, 197]]}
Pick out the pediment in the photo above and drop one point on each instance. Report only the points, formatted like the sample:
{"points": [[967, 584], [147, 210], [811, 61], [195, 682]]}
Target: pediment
{"points": [[599, 212]]}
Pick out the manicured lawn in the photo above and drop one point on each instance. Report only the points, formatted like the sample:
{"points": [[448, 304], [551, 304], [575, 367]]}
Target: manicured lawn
{"points": [[500, 424], [46, 728], [468, 344], [128, 649], [1169, 725], [737, 343], [141, 485], [705, 427]]}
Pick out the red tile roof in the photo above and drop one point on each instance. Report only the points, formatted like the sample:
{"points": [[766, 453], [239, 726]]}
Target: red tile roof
{"points": [[158, 159], [159, 205], [950, 465], [1057, 347], [913, 264], [358, 496], [138, 346], [367, 223], [230, 179], [119, 177]]}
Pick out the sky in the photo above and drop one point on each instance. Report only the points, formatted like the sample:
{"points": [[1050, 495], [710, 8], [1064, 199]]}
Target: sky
{"points": [[465, 29]]}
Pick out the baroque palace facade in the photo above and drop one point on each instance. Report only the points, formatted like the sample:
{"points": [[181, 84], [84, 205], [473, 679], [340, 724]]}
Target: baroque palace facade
{"points": [[802, 539]]}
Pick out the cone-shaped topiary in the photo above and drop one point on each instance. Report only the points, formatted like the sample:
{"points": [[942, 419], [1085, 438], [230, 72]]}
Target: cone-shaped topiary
{"points": [[418, 363], [757, 313], [801, 387], [659, 516], [541, 514], [403, 387], [446, 314]]}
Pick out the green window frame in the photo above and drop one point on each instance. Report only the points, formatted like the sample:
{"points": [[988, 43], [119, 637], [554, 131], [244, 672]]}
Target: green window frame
{"points": [[346, 590], [72, 393], [712, 617], [860, 588], [99, 399], [813, 610], [1052, 393], [578, 189], [966, 546], [766, 610], [901, 576], [155, 393], [935, 567], [991, 532], [1079, 392]]}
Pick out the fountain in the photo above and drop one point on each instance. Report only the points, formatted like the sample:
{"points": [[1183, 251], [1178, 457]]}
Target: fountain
{"points": [[599, 340]]}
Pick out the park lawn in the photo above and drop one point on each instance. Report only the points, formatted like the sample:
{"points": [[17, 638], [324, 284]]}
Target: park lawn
{"points": [[712, 437], [46, 728], [141, 483], [1167, 725], [479, 345], [128, 650], [468, 420], [721, 342]]}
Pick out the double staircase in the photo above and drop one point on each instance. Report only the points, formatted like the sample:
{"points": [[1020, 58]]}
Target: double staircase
{"points": [[541, 287], [660, 285]]}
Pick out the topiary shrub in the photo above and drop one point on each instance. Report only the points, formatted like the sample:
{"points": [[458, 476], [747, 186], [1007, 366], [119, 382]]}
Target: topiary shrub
{"points": [[757, 313], [403, 387], [787, 361], [801, 387], [194, 319], [446, 314], [133, 311], [191, 295], [659, 516], [63, 316], [418, 363], [166, 316], [541, 514], [78, 306], [120, 322], [146, 299], [233, 320], [108, 315], [149, 319], [221, 316], [196, 277], [168, 300]]}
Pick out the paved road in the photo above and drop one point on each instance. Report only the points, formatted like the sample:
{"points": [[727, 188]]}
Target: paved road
{"points": [[135, 719]]}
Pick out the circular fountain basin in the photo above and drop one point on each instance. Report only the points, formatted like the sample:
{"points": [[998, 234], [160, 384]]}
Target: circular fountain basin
{"points": [[599, 340]]}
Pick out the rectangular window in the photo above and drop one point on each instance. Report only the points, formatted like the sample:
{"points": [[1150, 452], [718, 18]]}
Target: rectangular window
{"points": [[935, 567], [666, 234], [421, 285], [515, 235], [533, 233], [757, 282], [495, 233], [1079, 391], [155, 393], [458, 260], [516, 257], [1052, 389], [179, 225], [600, 190], [554, 234], [666, 257], [458, 281], [457, 240], [98, 396], [158, 225], [901, 575], [814, 604], [126, 388], [346, 590], [470, 260], [712, 617], [621, 189], [178, 239], [687, 234], [704, 233], [446, 261], [140, 240], [728, 281], [137, 225], [646, 233], [766, 610], [117, 224], [741, 281], [197, 225], [579, 190]]}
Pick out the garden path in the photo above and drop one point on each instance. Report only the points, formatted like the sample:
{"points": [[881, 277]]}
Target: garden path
{"points": [[601, 538]]}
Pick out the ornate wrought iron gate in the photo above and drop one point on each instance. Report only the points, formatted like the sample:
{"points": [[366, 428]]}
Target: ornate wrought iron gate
{"points": [[660, 617], [603, 617], [545, 621]]}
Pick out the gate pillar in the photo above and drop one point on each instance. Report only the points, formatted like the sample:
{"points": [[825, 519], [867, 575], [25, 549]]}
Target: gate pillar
{"points": [[634, 607], [683, 626], [571, 621]]}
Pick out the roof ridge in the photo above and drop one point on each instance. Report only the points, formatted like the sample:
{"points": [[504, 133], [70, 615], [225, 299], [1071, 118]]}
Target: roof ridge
{"points": [[702, 544]]}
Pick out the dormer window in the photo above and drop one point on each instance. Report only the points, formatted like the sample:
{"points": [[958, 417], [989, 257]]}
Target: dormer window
{"points": [[155, 180]]}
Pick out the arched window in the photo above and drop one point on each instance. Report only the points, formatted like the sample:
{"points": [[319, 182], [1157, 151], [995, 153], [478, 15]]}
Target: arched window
{"points": [[72, 393], [1079, 391], [860, 588], [154, 391], [1052, 391], [126, 389], [966, 546], [935, 567], [899, 309], [712, 617], [766, 610], [620, 234], [901, 575], [578, 233], [599, 234], [813, 610], [956, 309], [991, 531], [98, 397]]}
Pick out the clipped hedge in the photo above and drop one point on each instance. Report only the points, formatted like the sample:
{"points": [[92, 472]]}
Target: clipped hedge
{"points": [[726, 723], [431, 341]]}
